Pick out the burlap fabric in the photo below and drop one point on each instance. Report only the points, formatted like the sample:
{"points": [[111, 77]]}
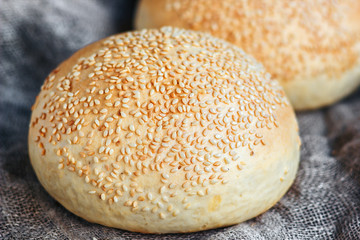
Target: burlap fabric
{"points": [[35, 36]]}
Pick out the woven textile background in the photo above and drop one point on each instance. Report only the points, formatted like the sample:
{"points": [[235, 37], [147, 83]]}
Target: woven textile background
{"points": [[35, 36]]}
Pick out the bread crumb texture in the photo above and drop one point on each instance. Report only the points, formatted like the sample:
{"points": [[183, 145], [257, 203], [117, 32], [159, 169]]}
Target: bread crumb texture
{"points": [[172, 105]]}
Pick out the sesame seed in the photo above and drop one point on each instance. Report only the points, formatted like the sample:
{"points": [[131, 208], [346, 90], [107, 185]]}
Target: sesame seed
{"points": [[130, 79], [103, 196]]}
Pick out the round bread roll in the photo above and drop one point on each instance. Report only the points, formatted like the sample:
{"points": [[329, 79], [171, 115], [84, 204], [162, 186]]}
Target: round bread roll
{"points": [[162, 131], [311, 46]]}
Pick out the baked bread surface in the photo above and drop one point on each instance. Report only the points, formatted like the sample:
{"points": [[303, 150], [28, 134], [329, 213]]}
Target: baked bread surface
{"points": [[160, 131]]}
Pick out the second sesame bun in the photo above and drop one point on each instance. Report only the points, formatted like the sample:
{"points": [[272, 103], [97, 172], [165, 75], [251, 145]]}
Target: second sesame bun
{"points": [[312, 47], [162, 131]]}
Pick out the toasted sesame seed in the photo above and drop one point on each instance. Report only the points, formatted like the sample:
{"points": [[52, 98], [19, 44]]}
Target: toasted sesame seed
{"points": [[103, 196]]}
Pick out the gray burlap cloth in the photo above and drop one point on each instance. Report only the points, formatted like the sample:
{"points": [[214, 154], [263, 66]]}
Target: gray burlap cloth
{"points": [[35, 36]]}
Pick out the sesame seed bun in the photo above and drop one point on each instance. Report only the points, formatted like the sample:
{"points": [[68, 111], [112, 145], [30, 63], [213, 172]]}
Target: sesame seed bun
{"points": [[162, 131], [312, 47]]}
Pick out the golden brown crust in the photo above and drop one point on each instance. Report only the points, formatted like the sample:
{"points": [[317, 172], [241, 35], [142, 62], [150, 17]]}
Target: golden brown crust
{"points": [[297, 40], [163, 131]]}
